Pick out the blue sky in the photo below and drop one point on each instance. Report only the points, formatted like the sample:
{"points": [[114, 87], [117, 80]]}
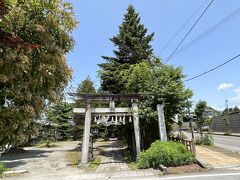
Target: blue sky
{"points": [[99, 20]]}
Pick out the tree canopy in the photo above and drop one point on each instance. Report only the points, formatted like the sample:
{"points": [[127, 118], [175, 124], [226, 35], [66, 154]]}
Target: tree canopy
{"points": [[129, 71], [133, 46], [61, 114], [86, 86], [32, 77]]}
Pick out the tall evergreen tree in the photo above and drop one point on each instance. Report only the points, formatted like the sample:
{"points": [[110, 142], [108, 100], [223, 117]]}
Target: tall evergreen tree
{"points": [[86, 86], [133, 47], [61, 114]]}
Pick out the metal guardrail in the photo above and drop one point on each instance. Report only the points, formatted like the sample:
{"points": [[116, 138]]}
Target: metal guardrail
{"points": [[190, 144]]}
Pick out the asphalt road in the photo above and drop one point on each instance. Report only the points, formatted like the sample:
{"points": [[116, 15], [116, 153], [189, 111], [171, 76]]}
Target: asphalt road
{"points": [[230, 143], [218, 174], [227, 142]]}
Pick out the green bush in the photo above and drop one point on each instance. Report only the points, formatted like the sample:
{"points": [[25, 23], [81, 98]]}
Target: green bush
{"points": [[165, 153], [207, 140], [198, 141], [2, 168]]}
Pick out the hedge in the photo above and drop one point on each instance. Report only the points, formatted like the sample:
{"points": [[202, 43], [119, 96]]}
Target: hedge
{"points": [[169, 154]]}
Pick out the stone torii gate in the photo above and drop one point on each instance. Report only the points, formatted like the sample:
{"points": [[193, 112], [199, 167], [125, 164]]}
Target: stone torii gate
{"points": [[89, 111]]}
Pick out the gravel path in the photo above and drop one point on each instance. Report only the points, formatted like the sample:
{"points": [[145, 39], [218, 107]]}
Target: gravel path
{"points": [[112, 158]]}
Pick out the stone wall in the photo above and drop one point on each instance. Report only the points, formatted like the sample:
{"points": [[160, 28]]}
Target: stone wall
{"points": [[218, 124]]}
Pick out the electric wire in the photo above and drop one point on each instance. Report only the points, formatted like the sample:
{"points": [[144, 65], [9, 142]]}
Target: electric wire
{"points": [[210, 30], [205, 10], [210, 70], [182, 27]]}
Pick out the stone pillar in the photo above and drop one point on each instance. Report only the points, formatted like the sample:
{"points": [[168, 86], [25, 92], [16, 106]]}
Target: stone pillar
{"points": [[136, 126], [161, 123], [86, 134], [112, 105]]}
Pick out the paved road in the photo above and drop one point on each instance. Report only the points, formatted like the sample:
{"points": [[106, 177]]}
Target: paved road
{"points": [[231, 143], [219, 174], [227, 142]]}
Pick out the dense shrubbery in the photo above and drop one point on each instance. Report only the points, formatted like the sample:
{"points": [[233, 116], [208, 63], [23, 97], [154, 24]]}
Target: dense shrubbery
{"points": [[206, 140], [165, 153]]}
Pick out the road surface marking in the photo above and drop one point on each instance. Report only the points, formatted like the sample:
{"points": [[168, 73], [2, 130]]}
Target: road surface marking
{"points": [[195, 176]]}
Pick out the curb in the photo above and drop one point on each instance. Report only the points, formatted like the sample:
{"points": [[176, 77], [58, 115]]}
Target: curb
{"points": [[15, 172], [234, 135], [221, 134], [203, 164]]}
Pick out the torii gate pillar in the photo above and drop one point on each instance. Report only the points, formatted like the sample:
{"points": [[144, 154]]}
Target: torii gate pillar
{"points": [[136, 125], [86, 134]]}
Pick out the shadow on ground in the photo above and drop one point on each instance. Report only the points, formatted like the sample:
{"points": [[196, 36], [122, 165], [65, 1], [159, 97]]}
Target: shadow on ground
{"points": [[25, 155]]}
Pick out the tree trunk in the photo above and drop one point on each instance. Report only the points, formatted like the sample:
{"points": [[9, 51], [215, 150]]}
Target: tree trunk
{"points": [[201, 132]]}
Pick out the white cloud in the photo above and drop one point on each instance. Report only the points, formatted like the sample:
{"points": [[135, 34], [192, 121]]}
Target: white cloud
{"points": [[237, 97], [224, 86], [237, 90]]}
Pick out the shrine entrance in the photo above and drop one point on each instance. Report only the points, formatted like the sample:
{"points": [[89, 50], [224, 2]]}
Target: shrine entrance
{"points": [[107, 116]]}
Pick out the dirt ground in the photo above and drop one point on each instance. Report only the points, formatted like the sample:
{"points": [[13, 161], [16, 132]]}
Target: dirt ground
{"points": [[217, 157], [42, 161]]}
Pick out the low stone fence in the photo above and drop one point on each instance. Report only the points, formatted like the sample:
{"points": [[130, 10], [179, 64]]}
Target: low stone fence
{"points": [[190, 144], [219, 125]]}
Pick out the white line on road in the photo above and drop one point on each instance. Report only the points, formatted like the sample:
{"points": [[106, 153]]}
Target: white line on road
{"points": [[195, 176]]}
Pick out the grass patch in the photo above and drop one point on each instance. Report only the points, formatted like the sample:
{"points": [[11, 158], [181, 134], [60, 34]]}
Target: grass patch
{"points": [[73, 158], [95, 163], [133, 165], [2, 169], [46, 144]]}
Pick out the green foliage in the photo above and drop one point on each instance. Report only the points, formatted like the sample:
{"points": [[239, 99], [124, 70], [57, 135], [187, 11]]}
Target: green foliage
{"points": [[32, 76], [165, 153], [206, 140], [86, 86], [132, 42], [198, 141], [228, 133], [2, 168], [226, 121], [200, 107], [95, 163], [167, 87], [47, 144], [199, 111], [129, 72], [61, 114], [73, 157]]}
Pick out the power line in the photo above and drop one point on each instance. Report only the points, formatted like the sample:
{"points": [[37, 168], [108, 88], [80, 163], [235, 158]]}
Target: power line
{"points": [[182, 27], [226, 62], [189, 31], [210, 30]]}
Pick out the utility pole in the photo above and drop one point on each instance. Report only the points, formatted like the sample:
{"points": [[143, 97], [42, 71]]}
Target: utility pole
{"points": [[190, 122], [227, 105]]}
